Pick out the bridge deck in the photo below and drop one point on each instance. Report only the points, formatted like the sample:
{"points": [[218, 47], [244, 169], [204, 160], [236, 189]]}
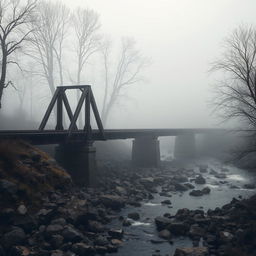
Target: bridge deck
{"points": [[56, 137]]}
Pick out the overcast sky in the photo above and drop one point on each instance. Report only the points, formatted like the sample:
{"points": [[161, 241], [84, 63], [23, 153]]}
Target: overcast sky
{"points": [[182, 38]]}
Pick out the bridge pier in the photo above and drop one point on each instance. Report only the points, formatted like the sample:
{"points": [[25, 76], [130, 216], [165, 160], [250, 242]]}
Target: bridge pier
{"points": [[185, 146], [146, 152], [79, 160]]}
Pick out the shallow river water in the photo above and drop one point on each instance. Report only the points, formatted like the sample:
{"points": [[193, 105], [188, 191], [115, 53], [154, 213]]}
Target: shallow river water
{"points": [[138, 237]]}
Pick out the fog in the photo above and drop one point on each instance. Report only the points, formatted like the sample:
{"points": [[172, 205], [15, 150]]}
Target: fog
{"points": [[181, 39]]}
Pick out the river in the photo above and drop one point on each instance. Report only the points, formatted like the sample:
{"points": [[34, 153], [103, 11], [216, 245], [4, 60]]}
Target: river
{"points": [[141, 237]]}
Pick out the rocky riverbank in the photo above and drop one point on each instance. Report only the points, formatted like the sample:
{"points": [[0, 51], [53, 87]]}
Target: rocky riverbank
{"points": [[45, 214]]}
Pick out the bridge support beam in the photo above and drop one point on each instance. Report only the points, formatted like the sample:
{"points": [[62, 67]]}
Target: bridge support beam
{"points": [[185, 146], [80, 162], [146, 152]]}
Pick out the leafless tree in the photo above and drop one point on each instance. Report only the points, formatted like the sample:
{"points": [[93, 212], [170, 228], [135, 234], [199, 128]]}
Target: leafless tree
{"points": [[237, 93], [14, 17], [49, 31], [127, 72]]}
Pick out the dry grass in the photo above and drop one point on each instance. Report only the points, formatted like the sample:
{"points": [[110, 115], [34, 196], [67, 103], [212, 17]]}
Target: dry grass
{"points": [[33, 177]]}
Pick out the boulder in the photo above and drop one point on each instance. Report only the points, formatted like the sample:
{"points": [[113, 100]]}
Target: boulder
{"points": [[162, 222], [113, 202], [200, 180], [195, 251], [134, 215], [15, 237], [196, 193], [167, 201], [206, 190]]}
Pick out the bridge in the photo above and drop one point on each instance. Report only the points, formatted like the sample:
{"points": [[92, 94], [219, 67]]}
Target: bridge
{"points": [[75, 149]]}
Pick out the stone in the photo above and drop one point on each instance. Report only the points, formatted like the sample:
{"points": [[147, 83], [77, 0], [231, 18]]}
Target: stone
{"points": [[195, 251], [162, 222], [180, 187], [196, 193], [71, 234], [53, 229], [116, 233], [20, 251], [15, 237], [206, 190], [249, 186], [22, 209], [127, 223], [200, 180], [8, 187], [101, 241], [113, 202], [189, 185], [148, 183], [57, 253], [178, 228], [134, 215], [165, 234], [95, 226], [167, 201], [56, 241], [116, 242], [83, 249], [196, 231], [226, 236]]}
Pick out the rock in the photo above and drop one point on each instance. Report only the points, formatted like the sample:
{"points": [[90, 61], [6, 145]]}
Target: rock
{"points": [[101, 249], [165, 234], [196, 193], [56, 241], [178, 228], [220, 175], [180, 178], [19, 251], [180, 187], [116, 233], [101, 241], [206, 190], [134, 215], [148, 183], [200, 180], [83, 249], [113, 202], [95, 226], [167, 201], [57, 253], [71, 234], [189, 185], [195, 251], [196, 231], [226, 236], [59, 221], [127, 223], [26, 222], [249, 186], [22, 209], [53, 229], [8, 187], [116, 242], [162, 222], [15, 237]]}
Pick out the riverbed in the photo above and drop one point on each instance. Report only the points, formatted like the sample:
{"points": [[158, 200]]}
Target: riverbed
{"points": [[141, 238]]}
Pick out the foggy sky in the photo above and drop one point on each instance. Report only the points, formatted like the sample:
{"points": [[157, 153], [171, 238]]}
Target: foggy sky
{"points": [[182, 38]]}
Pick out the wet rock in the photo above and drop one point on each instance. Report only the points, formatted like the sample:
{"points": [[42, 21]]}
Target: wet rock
{"points": [[8, 187], [134, 215], [127, 223], [196, 193], [162, 222], [82, 249], [15, 237], [22, 209], [71, 234], [167, 201], [195, 251], [200, 180], [19, 251], [249, 186], [206, 190], [180, 187], [165, 234], [220, 176], [113, 202], [178, 228], [189, 185], [116, 233]]}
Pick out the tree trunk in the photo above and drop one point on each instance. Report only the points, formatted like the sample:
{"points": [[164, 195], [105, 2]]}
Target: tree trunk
{"points": [[3, 75]]}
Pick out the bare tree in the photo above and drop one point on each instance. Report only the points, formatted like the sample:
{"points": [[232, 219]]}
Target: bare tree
{"points": [[237, 93], [49, 31], [127, 72], [14, 17]]}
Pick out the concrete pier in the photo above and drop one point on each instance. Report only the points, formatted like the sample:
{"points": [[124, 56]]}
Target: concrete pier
{"points": [[185, 146], [146, 152], [80, 162]]}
